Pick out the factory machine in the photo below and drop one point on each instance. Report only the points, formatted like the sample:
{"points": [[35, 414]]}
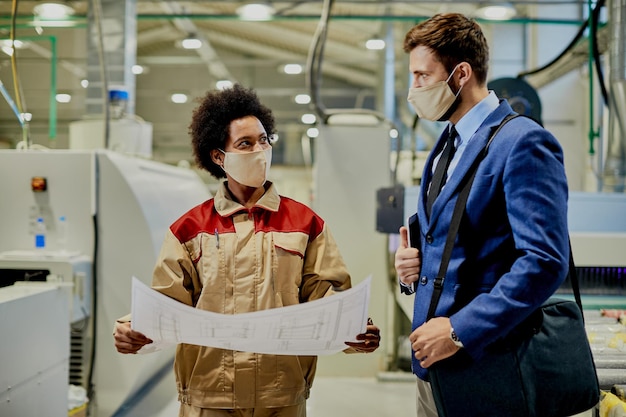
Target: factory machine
{"points": [[598, 236], [81, 223]]}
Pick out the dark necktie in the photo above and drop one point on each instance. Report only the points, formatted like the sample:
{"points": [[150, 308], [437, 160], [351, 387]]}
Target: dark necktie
{"points": [[439, 177]]}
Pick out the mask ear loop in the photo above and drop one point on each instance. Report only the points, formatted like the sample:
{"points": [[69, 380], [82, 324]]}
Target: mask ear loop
{"points": [[452, 73], [221, 166], [450, 76]]}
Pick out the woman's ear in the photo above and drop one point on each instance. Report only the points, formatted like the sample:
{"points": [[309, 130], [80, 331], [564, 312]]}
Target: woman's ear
{"points": [[217, 157]]}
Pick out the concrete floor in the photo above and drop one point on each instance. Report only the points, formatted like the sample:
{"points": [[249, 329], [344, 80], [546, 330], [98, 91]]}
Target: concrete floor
{"points": [[346, 396], [339, 397], [390, 394]]}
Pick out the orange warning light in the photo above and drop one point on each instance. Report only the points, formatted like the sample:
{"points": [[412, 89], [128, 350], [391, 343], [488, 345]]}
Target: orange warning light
{"points": [[38, 184]]}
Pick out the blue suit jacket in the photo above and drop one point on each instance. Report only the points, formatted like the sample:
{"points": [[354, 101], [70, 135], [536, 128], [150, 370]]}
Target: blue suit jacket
{"points": [[512, 249]]}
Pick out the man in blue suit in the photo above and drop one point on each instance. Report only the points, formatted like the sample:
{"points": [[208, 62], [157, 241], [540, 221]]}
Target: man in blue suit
{"points": [[512, 249]]}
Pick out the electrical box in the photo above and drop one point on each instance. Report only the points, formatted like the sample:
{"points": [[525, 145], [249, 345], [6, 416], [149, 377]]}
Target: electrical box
{"points": [[389, 209]]}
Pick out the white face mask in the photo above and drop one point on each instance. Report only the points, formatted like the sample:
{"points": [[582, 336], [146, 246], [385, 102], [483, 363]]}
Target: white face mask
{"points": [[433, 101], [248, 168]]}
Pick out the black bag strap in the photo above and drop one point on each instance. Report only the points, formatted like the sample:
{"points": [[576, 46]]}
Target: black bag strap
{"points": [[455, 223], [573, 279]]}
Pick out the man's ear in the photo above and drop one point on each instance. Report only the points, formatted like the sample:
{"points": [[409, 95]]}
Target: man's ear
{"points": [[463, 73]]}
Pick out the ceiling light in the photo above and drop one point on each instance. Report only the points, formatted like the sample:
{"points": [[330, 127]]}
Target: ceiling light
{"points": [[256, 11], [52, 11], [7, 47], [191, 42], [16, 42], [500, 11], [292, 69], [223, 84], [63, 98], [179, 98], [375, 44], [312, 132], [308, 118], [138, 69], [302, 99], [84, 83]]}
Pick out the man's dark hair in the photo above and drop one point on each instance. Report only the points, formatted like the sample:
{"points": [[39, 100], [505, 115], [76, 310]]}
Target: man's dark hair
{"points": [[454, 38]]}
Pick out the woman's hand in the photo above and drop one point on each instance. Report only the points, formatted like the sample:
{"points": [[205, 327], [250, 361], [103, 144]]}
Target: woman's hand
{"points": [[370, 339], [128, 340]]}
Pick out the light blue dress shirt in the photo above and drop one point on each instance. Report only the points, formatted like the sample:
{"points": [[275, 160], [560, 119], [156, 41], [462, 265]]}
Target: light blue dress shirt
{"points": [[469, 124]]}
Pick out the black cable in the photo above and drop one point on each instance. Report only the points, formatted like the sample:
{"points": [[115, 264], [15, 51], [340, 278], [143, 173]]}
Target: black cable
{"points": [[581, 30], [94, 301], [314, 62], [91, 389], [595, 15], [595, 18]]}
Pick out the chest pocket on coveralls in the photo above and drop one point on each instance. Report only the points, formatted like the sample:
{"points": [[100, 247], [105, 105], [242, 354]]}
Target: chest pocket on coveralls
{"points": [[289, 250]]}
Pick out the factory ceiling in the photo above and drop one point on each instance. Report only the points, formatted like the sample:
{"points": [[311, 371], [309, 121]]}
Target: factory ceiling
{"points": [[54, 60]]}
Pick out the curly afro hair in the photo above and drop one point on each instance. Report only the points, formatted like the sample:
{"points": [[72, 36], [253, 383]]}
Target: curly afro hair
{"points": [[210, 123]]}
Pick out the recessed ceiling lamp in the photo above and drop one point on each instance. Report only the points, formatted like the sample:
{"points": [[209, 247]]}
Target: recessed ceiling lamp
{"points": [[52, 11], [496, 11], [179, 98], [302, 99], [256, 11], [308, 118], [191, 42], [139, 69], [312, 132], [223, 84], [63, 98], [375, 44], [292, 69], [7, 47]]}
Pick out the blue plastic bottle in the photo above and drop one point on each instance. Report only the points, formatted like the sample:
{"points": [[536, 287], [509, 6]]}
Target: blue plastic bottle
{"points": [[40, 233]]}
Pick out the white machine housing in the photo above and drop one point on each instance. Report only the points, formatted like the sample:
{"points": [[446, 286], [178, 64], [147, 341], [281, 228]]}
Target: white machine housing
{"points": [[128, 135], [118, 209], [34, 350]]}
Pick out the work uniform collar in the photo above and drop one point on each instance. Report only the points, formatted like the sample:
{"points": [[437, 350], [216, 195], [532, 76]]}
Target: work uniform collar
{"points": [[226, 206]]}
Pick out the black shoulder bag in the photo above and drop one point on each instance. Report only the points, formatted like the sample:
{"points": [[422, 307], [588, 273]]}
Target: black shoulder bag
{"points": [[543, 368]]}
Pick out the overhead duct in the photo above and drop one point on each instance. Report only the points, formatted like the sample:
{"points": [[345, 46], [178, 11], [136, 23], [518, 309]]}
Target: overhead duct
{"points": [[110, 121], [112, 50], [573, 59], [615, 165]]}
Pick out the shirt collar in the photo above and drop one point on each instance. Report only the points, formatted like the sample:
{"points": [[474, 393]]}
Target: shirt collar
{"points": [[471, 121]]}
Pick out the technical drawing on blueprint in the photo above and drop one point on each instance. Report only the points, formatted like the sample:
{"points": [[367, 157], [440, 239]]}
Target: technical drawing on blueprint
{"points": [[319, 327]]}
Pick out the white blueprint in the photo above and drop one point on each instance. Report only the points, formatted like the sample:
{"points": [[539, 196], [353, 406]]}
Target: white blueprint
{"points": [[318, 327]]}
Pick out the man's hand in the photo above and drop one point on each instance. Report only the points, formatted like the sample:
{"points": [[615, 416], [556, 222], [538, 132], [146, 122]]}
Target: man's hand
{"points": [[431, 341], [128, 340], [408, 263], [370, 339]]}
